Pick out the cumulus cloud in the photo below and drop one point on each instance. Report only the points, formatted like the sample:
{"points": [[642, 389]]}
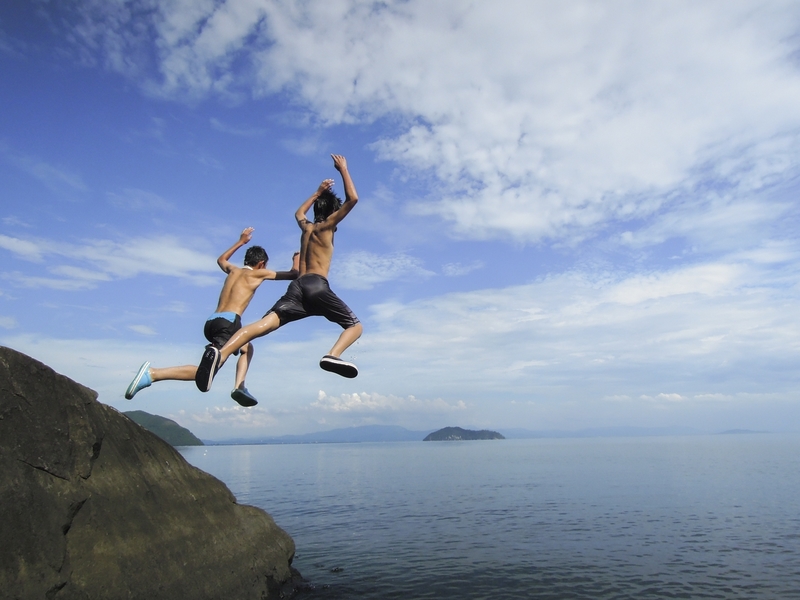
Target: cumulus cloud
{"points": [[364, 270], [161, 255], [607, 335], [364, 402], [459, 269], [539, 120], [234, 417]]}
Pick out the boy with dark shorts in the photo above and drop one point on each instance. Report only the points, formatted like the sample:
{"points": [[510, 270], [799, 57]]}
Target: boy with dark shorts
{"points": [[237, 291], [310, 293]]}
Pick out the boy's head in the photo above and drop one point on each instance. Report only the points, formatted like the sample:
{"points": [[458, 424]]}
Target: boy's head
{"points": [[255, 255], [326, 204]]}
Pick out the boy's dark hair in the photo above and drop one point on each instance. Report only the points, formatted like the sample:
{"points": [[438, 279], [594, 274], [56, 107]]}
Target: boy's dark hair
{"points": [[326, 204], [254, 255]]}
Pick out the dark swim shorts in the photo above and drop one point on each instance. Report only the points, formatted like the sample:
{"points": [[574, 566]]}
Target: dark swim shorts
{"points": [[220, 327], [310, 295]]}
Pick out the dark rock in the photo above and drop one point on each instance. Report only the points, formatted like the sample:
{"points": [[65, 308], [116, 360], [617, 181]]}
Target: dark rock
{"points": [[94, 506], [450, 434]]}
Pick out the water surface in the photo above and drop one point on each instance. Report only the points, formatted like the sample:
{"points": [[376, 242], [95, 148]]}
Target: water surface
{"points": [[658, 517]]}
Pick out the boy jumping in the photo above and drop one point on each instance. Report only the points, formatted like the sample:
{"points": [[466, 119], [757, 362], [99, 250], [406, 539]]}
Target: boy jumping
{"points": [[309, 294], [237, 291]]}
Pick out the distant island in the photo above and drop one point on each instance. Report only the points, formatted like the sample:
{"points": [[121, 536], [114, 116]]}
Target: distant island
{"points": [[166, 429], [451, 434]]}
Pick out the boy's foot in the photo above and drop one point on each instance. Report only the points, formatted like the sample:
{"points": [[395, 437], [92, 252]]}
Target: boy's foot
{"points": [[338, 366], [243, 397], [141, 381], [207, 368]]}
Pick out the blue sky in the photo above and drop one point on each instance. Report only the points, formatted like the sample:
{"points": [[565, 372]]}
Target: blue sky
{"points": [[573, 214]]}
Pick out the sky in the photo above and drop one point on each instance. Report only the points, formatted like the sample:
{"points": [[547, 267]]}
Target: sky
{"points": [[571, 215]]}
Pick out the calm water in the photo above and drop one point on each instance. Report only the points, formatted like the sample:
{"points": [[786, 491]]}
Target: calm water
{"points": [[679, 517]]}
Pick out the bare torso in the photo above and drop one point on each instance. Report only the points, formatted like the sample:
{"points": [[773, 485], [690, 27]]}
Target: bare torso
{"points": [[238, 290], [316, 248]]}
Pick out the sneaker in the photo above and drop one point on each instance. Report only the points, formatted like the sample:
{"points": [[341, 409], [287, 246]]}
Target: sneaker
{"points": [[141, 381], [338, 366], [207, 368], [243, 397]]}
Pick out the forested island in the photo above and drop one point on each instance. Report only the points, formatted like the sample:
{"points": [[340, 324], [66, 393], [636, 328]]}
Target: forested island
{"points": [[452, 434], [167, 429]]}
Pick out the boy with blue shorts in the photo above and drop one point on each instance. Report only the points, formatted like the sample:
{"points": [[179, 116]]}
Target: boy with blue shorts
{"points": [[237, 291]]}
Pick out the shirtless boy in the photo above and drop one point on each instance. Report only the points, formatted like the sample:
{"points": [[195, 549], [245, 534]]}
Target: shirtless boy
{"points": [[309, 294], [237, 291]]}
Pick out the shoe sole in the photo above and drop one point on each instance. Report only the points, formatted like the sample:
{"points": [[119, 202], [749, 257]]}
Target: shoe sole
{"points": [[338, 366], [131, 391], [207, 368], [243, 399]]}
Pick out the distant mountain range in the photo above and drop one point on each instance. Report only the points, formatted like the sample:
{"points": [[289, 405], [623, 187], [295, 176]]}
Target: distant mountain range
{"points": [[394, 433]]}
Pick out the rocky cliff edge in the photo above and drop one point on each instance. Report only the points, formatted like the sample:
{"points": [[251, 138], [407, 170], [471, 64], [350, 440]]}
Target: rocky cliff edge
{"points": [[94, 506]]}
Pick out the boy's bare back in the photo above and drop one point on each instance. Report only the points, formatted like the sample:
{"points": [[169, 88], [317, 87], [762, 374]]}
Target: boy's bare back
{"points": [[242, 282], [316, 239]]}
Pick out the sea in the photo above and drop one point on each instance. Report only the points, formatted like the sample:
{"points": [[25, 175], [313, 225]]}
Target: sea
{"points": [[702, 516]]}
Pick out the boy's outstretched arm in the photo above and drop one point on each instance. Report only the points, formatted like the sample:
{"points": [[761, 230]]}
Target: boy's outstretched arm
{"points": [[350, 194], [224, 258], [295, 271]]}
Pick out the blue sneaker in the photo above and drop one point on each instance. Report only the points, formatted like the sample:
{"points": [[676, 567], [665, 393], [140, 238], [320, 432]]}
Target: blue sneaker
{"points": [[243, 397], [207, 368], [141, 381]]}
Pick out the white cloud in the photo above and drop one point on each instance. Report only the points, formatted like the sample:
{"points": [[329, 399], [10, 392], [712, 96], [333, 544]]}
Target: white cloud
{"points": [[597, 335], [8, 322], [25, 249], [143, 329], [458, 269], [664, 398], [110, 260], [363, 270], [234, 418], [541, 120], [364, 402]]}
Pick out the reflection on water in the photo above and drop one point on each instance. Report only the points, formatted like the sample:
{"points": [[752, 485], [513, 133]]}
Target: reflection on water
{"points": [[681, 517]]}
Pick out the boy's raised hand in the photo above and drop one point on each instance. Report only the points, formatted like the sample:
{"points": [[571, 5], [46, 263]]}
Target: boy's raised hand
{"points": [[325, 185], [339, 161], [246, 235]]}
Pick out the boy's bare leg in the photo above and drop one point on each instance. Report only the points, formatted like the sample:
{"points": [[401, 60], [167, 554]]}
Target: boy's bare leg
{"points": [[184, 373], [262, 327], [346, 339], [213, 359], [331, 361], [240, 393], [243, 364], [148, 375]]}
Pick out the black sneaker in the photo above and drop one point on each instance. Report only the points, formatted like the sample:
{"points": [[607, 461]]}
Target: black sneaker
{"points": [[207, 368], [338, 366], [243, 397]]}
